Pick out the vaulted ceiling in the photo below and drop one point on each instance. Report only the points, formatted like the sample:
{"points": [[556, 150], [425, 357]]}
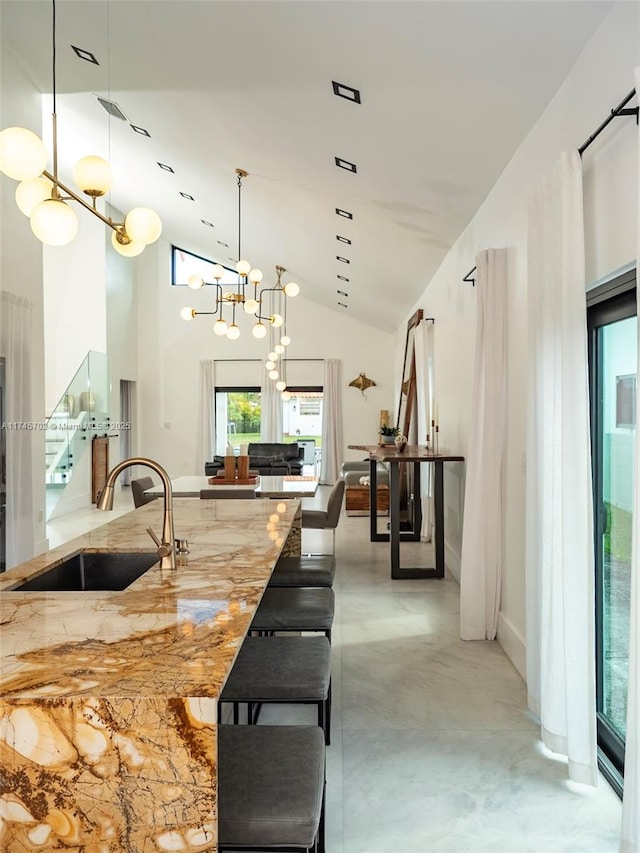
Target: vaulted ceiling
{"points": [[448, 90]]}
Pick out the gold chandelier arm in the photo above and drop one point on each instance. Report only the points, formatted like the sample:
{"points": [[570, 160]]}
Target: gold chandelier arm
{"points": [[107, 220]]}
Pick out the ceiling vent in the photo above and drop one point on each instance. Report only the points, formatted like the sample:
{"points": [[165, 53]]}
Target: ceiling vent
{"points": [[112, 108]]}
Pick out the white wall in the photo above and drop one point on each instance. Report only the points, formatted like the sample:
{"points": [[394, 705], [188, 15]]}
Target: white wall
{"points": [[75, 307], [21, 265], [170, 351], [602, 76]]}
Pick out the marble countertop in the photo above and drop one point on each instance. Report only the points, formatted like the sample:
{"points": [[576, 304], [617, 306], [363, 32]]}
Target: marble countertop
{"points": [[171, 633]]}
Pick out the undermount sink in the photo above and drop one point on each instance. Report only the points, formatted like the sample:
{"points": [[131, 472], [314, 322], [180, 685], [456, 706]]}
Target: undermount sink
{"points": [[92, 571]]}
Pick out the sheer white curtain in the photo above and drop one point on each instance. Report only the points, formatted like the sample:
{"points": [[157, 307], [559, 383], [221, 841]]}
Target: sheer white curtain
{"points": [[559, 511], [206, 444], [424, 350], [484, 503], [331, 422], [16, 315], [271, 406], [630, 841]]}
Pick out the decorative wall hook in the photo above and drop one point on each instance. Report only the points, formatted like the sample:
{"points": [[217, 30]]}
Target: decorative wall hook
{"points": [[362, 382]]}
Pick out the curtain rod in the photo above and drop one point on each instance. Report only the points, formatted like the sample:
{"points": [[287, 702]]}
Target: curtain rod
{"points": [[615, 113], [469, 277]]}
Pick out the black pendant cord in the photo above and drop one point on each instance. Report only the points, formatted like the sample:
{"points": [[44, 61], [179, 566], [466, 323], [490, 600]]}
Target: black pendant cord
{"points": [[239, 216], [616, 112]]}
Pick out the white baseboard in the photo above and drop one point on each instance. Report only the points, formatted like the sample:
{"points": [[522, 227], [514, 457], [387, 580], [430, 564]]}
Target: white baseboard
{"points": [[70, 504], [513, 645], [41, 546]]}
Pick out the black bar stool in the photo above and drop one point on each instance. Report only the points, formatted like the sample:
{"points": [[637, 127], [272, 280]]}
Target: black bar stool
{"points": [[271, 788], [306, 570], [288, 670], [296, 609]]}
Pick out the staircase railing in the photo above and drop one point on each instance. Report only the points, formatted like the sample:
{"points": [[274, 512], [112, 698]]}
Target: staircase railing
{"points": [[81, 413]]}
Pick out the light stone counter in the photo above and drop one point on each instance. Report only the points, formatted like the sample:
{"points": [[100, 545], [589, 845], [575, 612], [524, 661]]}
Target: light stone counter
{"points": [[109, 699]]}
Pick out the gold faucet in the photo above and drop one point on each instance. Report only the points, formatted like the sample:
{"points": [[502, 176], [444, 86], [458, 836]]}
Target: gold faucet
{"points": [[105, 502]]}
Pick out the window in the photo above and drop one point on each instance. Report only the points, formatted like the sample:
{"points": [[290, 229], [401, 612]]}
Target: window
{"points": [[612, 324], [238, 413], [185, 264]]}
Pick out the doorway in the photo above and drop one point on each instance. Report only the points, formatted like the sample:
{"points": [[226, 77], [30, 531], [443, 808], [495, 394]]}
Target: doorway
{"points": [[613, 333]]}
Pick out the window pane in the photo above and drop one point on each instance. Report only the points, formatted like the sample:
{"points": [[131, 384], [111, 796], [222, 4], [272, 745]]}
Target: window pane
{"points": [[618, 348]]}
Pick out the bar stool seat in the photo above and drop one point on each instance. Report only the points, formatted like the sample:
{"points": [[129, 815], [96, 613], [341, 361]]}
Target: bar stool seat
{"points": [[306, 570], [294, 670], [295, 609], [270, 788]]}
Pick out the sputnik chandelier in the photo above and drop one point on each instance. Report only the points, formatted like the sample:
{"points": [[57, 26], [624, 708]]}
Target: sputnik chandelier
{"points": [[239, 296], [43, 197]]}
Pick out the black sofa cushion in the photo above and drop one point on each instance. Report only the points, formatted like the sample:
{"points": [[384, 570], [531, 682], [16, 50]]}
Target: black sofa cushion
{"points": [[268, 458]]}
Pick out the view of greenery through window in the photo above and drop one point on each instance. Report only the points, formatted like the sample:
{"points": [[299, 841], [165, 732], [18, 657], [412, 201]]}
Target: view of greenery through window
{"points": [[302, 417]]}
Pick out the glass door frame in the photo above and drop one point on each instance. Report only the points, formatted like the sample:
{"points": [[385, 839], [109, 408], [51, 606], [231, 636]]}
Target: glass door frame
{"points": [[608, 303]]}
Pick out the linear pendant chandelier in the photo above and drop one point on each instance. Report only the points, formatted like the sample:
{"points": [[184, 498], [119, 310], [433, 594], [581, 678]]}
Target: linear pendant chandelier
{"points": [[43, 197], [243, 294]]}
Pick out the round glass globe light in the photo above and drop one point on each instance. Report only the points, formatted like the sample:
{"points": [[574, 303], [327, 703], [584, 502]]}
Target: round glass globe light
{"points": [[273, 356], [285, 340], [255, 276], [143, 225], [270, 365], [218, 271], [30, 193], [281, 384], [243, 267], [292, 289], [233, 332], [93, 175], [279, 349], [195, 282], [273, 374], [54, 222], [220, 328], [277, 320], [259, 330], [186, 313], [128, 250], [251, 306], [22, 154], [286, 395], [281, 507]]}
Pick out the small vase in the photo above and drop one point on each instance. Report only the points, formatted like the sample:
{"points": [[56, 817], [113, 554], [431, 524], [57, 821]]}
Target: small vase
{"points": [[387, 439], [400, 442]]}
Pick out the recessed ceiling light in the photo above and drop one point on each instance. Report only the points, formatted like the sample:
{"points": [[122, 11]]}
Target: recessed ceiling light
{"points": [[140, 130], [343, 239], [85, 54], [348, 92], [204, 222], [343, 260], [226, 245], [166, 168], [345, 164], [186, 195], [344, 213], [112, 108], [342, 292], [343, 304], [343, 278]]}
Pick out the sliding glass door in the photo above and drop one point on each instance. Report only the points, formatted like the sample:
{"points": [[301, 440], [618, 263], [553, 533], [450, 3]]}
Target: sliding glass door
{"points": [[613, 359]]}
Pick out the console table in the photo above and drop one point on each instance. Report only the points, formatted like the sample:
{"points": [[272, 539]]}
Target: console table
{"points": [[416, 456]]}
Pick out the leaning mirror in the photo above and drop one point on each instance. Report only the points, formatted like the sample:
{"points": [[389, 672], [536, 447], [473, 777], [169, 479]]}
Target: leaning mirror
{"points": [[407, 421]]}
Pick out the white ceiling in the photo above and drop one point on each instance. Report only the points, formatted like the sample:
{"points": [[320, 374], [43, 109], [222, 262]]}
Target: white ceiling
{"points": [[449, 89]]}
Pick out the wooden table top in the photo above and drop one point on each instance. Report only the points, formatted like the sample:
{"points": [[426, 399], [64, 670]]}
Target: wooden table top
{"points": [[411, 453]]}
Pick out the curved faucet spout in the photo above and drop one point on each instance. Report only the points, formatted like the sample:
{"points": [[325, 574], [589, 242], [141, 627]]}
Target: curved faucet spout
{"points": [[105, 502]]}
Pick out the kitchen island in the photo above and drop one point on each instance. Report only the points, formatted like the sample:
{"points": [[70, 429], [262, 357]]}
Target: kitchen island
{"points": [[108, 700]]}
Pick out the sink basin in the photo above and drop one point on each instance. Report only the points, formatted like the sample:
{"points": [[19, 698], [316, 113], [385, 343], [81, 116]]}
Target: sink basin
{"points": [[88, 570]]}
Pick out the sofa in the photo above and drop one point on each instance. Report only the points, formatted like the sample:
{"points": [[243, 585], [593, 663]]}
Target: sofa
{"points": [[271, 459]]}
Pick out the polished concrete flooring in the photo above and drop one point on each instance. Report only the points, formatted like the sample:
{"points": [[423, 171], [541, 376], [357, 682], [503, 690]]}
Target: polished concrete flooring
{"points": [[433, 750]]}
